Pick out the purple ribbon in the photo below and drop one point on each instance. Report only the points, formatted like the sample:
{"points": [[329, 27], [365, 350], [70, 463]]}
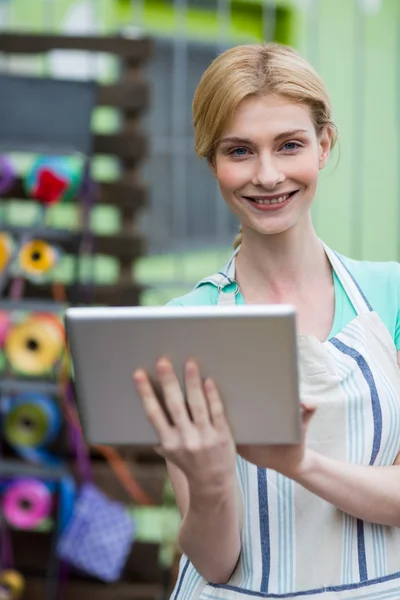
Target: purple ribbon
{"points": [[8, 175], [76, 439]]}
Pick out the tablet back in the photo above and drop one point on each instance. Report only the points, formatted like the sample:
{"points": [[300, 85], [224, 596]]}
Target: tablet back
{"points": [[250, 351]]}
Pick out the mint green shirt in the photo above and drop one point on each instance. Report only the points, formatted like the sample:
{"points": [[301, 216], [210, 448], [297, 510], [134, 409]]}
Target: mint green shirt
{"points": [[379, 281]]}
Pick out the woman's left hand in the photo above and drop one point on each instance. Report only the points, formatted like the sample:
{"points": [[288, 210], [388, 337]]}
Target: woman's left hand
{"points": [[286, 459]]}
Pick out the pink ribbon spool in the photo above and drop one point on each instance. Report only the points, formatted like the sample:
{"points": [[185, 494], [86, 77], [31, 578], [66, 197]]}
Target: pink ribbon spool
{"points": [[26, 503], [4, 326]]}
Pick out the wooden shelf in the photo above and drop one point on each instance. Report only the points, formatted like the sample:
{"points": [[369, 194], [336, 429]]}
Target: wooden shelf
{"points": [[134, 49], [77, 590], [117, 294]]}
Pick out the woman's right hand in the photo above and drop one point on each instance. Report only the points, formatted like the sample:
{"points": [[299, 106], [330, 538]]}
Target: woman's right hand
{"points": [[197, 438]]}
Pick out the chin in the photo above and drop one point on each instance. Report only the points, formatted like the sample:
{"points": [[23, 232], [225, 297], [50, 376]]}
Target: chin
{"points": [[273, 229]]}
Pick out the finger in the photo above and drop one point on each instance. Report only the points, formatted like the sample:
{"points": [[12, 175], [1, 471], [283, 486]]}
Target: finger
{"points": [[215, 405], [151, 405], [173, 395], [195, 393], [159, 450], [308, 411]]}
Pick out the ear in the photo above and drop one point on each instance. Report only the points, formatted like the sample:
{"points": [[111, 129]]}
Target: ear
{"points": [[324, 146], [212, 164]]}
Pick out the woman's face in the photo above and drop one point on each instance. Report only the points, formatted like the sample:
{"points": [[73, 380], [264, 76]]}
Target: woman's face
{"points": [[267, 163]]}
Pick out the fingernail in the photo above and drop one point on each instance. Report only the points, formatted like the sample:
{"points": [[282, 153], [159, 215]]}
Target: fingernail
{"points": [[209, 385], [190, 367], [138, 375], [163, 365]]}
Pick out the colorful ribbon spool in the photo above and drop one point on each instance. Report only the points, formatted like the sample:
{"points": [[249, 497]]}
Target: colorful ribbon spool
{"points": [[12, 584], [53, 179], [37, 258], [26, 503], [6, 250], [4, 326], [34, 346], [8, 175], [31, 423], [67, 499]]}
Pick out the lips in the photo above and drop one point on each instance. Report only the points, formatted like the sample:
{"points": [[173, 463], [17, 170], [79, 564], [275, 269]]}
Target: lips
{"points": [[270, 200], [269, 203]]}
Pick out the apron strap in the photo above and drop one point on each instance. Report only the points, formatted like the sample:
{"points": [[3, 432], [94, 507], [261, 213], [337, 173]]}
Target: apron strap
{"points": [[222, 279], [350, 285], [226, 278]]}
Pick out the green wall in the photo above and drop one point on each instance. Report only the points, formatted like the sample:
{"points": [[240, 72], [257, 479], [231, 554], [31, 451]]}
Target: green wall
{"points": [[357, 206]]}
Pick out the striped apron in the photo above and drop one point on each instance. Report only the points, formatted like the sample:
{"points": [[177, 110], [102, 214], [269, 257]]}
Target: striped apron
{"points": [[294, 544]]}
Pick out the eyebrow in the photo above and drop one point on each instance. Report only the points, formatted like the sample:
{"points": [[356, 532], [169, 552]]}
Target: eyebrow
{"points": [[285, 134]]}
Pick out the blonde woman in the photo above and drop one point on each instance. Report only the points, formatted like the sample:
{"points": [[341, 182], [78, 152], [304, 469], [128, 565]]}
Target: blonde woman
{"points": [[321, 519]]}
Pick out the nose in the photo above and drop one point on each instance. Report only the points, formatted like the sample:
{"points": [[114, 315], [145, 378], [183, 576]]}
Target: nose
{"points": [[268, 172]]}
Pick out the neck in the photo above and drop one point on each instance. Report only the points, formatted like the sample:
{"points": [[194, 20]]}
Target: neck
{"points": [[282, 263]]}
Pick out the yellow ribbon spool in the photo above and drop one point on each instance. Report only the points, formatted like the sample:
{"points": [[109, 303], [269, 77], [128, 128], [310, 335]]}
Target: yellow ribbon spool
{"points": [[12, 583], [34, 346], [6, 246], [37, 258]]}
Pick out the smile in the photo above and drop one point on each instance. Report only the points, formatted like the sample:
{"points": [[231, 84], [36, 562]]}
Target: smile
{"points": [[271, 201]]}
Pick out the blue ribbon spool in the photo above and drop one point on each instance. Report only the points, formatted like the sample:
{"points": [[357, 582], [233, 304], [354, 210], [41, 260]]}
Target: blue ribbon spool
{"points": [[32, 421]]}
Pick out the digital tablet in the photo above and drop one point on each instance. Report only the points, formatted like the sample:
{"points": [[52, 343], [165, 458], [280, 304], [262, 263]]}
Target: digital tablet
{"points": [[249, 350]]}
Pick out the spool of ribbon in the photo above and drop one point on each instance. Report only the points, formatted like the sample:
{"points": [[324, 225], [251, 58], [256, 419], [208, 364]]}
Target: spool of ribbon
{"points": [[12, 583], [53, 179], [32, 421], [34, 346], [26, 503], [8, 175], [36, 258], [67, 499], [4, 325], [6, 250]]}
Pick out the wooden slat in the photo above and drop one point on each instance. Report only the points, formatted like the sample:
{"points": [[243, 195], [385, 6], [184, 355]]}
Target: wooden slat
{"points": [[136, 50], [150, 477], [75, 590], [124, 245], [124, 195], [109, 295], [142, 565], [132, 95], [128, 146]]}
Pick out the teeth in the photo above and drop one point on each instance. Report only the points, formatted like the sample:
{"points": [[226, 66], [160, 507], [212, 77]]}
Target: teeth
{"points": [[273, 201]]}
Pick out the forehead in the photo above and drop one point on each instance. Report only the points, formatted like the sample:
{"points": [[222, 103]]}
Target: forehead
{"points": [[268, 116]]}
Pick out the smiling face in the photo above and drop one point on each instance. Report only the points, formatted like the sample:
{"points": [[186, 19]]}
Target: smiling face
{"points": [[267, 163]]}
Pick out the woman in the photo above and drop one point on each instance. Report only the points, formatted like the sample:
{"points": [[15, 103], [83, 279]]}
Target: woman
{"points": [[320, 519]]}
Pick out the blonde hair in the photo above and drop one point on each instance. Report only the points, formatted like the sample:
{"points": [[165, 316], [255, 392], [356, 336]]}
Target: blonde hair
{"points": [[255, 70]]}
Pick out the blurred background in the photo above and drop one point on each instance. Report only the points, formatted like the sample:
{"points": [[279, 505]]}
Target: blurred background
{"points": [[156, 219], [354, 45]]}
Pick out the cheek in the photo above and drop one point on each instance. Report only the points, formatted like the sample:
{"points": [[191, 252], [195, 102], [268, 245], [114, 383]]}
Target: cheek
{"points": [[306, 170], [230, 176]]}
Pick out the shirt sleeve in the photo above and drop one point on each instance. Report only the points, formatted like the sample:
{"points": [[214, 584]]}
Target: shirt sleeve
{"points": [[175, 302]]}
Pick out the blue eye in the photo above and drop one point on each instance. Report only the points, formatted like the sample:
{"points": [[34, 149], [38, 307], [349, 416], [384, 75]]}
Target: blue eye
{"points": [[290, 146], [239, 151]]}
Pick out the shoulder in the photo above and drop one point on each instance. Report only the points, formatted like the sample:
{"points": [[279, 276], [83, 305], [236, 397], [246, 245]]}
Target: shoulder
{"points": [[380, 284], [370, 273], [204, 295]]}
